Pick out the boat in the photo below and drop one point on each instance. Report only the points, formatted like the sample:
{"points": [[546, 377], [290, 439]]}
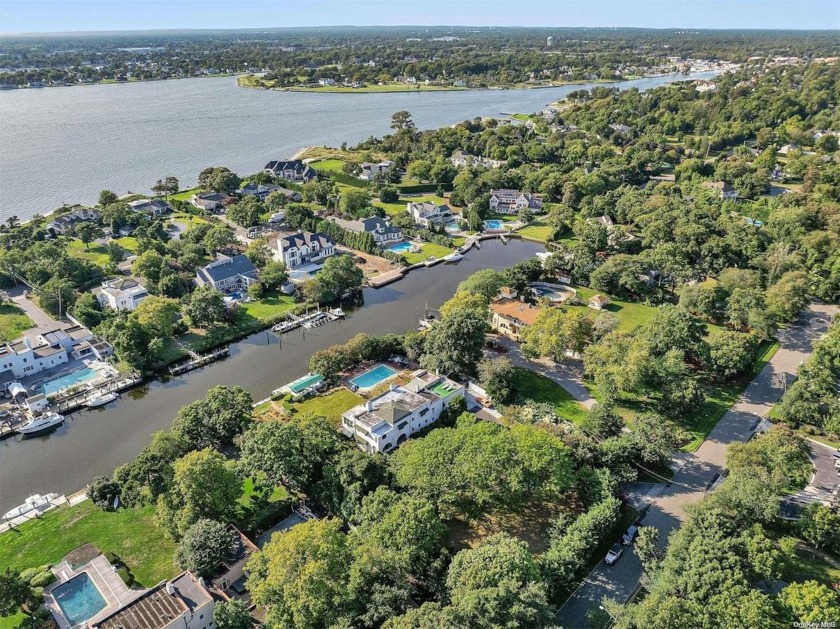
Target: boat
{"points": [[101, 399], [40, 424], [36, 502], [337, 312], [453, 257]]}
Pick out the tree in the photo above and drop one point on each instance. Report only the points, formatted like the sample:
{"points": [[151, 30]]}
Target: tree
{"points": [[653, 438], [247, 212], [349, 476], [498, 377], [788, 296], [224, 180], [301, 576], [232, 614], [602, 421], [389, 194], [731, 353], [465, 300], [205, 547], [648, 549], [57, 295], [88, 311], [456, 344], [217, 238], [106, 197], [87, 232], [487, 283], [273, 275], [356, 203], [258, 253], [555, 333], [203, 486], [809, 603], [401, 121], [158, 315], [14, 592], [338, 276], [205, 306], [820, 525], [103, 491], [216, 420], [149, 265]]}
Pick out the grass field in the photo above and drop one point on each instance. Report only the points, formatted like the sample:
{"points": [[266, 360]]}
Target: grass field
{"points": [[398, 207], [184, 195], [537, 387], [268, 307], [427, 249], [97, 254], [131, 534], [536, 231], [329, 165], [13, 322], [332, 405], [630, 314]]}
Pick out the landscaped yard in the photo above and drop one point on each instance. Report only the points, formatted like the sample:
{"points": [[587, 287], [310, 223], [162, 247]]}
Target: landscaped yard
{"points": [[131, 534], [332, 405], [427, 249], [630, 314], [13, 322], [97, 254], [398, 207], [268, 307], [537, 387], [536, 231], [329, 165], [184, 195]]}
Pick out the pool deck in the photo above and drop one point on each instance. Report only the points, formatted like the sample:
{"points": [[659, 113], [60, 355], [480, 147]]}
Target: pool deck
{"points": [[104, 577]]}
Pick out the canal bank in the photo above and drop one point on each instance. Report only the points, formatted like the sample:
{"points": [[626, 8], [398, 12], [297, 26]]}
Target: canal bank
{"points": [[91, 443]]}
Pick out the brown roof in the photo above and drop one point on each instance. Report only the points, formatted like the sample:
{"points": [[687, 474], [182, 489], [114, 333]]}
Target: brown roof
{"points": [[601, 299], [513, 309]]}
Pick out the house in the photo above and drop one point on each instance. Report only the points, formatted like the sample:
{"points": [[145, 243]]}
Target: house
{"points": [[604, 220], [293, 170], [597, 302], [262, 190], [384, 422], [621, 129], [182, 603], [507, 201], [369, 170], [788, 148], [121, 294], [64, 223], [212, 201], [232, 574], [153, 207], [459, 159], [24, 358], [304, 248], [509, 315], [724, 190], [227, 273], [380, 228], [427, 213], [326, 82]]}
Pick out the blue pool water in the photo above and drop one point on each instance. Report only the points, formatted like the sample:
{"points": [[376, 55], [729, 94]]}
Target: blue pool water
{"points": [[400, 248], [373, 376], [70, 380], [494, 224], [79, 599]]}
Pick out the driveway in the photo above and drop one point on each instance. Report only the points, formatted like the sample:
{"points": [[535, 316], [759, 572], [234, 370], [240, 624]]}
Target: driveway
{"points": [[43, 322], [824, 484], [666, 510]]}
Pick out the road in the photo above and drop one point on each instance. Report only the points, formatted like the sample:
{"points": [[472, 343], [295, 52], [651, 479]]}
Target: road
{"points": [[824, 484], [666, 510]]}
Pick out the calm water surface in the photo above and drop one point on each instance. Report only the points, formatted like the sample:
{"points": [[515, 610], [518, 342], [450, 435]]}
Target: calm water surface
{"points": [[95, 442], [62, 145]]}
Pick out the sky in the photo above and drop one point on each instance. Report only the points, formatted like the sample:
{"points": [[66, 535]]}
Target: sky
{"points": [[28, 16]]}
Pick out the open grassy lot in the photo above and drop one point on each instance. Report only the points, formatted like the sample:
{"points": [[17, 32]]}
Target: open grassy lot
{"points": [[97, 254], [427, 249], [129, 533], [331, 405], [13, 322], [184, 195], [269, 306], [537, 387], [329, 165], [536, 231]]}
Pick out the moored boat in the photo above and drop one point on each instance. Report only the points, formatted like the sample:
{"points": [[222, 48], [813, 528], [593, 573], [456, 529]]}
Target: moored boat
{"points": [[101, 399], [40, 424], [36, 502], [453, 257]]}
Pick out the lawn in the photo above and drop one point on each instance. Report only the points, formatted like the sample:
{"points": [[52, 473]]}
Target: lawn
{"points": [[398, 207], [537, 387], [260, 512], [184, 195], [806, 565], [268, 307], [329, 165], [13, 322], [332, 405], [537, 231], [131, 534], [368, 88], [630, 314], [427, 249], [98, 254]]}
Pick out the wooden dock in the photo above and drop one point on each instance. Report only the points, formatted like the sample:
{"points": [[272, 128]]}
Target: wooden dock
{"points": [[81, 398], [386, 278], [198, 360], [308, 321]]}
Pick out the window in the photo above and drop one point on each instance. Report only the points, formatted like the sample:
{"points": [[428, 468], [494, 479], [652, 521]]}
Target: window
{"points": [[424, 411], [402, 425]]}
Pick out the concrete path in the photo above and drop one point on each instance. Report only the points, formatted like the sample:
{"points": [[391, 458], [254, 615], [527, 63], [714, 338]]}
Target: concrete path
{"points": [[667, 509], [43, 321]]}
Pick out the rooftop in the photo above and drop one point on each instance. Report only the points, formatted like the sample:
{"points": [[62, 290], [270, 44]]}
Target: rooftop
{"points": [[514, 309]]}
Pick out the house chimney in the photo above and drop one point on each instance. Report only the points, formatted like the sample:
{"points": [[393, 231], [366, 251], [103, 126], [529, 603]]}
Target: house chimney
{"points": [[170, 589], [369, 405], [27, 342]]}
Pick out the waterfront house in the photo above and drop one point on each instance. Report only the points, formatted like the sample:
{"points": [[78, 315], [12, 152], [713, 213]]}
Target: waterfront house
{"points": [[326, 82], [182, 603], [262, 190], [384, 422], [123, 294], [723, 189], [507, 201], [227, 273], [598, 302], [63, 223], [304, 248], [369, 170], [293, 170], [24, 358], [152, 207], [461, 159], [212, 201], [427, 213], [380, 228], [509, 315]]}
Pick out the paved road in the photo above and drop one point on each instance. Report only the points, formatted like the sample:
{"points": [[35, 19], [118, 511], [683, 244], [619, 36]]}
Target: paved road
{"points": [[824, 484], [667, 509], [42, 321]]}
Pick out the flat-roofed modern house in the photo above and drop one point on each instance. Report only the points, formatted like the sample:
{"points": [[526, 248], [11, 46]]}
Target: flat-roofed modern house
{"points": [[507, 201], [227, 273], [293, 170], [384, 422], [426, 213], [123, 294], [303, 248], [380, 228], [24, 358]]}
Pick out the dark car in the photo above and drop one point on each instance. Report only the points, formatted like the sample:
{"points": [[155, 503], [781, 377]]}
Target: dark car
{"points": [[630, 535]]}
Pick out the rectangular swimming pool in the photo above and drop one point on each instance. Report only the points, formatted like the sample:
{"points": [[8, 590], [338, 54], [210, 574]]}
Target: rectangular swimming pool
{"points": [[401, 247], [494, 224], [69, 380], [372, 377], [79, 599]]}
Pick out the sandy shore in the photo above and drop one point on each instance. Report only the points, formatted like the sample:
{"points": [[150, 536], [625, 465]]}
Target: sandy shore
{"points": [[301, 153]]}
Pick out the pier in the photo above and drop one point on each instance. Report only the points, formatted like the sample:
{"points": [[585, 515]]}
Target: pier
{"points": [[308, 321], [198, 360], [80, 399]]}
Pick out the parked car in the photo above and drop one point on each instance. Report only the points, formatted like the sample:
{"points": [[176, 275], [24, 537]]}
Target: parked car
{"points": [[613, 554], [629, 535]]}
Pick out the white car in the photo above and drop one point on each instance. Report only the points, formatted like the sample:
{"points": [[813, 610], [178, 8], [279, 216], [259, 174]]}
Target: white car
{"points": [[613, 554]]}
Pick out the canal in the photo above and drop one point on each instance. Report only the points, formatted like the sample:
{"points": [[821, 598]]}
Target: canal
{"points": [[92, 443]]}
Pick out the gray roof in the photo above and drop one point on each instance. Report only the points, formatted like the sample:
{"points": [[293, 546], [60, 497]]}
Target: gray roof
{"points": [[226, 268], [306, 238]]}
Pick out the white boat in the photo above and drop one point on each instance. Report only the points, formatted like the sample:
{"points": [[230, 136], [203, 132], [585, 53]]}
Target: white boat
{"points": [[101, 399], [337, 312], [42, 423], [453, 257], [36, 502]]}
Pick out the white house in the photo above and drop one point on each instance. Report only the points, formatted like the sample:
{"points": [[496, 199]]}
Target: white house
{"points": [[380, 228], [233, 570], [386, 421], [326, 82], [460, 159], [182, 603], [122, 294], [24, 358], [227, 273], [427, 213], [304, 248], [293, 170], [507, 201], [153, 207], [369, 170], [211, 201]]}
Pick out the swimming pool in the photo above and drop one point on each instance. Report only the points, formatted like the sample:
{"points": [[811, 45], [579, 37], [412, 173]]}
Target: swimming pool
{"points": [[69, 380], [303, 383], [401, 247], [373, 376], [494, 224], [79, 599]]}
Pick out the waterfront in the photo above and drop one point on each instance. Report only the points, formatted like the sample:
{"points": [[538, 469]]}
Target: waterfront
{"points": [[95, 442], [125, 137]]}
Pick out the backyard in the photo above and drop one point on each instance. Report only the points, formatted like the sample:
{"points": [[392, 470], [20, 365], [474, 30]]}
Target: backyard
{"points": [[427, 249], [538, 230], [13, 322], [538, 388], [398, 207]]}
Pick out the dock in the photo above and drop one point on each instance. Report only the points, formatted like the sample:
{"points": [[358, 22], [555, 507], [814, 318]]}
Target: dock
{"points": [[81, 398], [308, 321], [386, 278], [199, 360]]}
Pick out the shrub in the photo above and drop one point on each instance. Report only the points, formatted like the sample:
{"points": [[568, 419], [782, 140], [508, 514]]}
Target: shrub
{"points": [[126, 576], [42, 579]]}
